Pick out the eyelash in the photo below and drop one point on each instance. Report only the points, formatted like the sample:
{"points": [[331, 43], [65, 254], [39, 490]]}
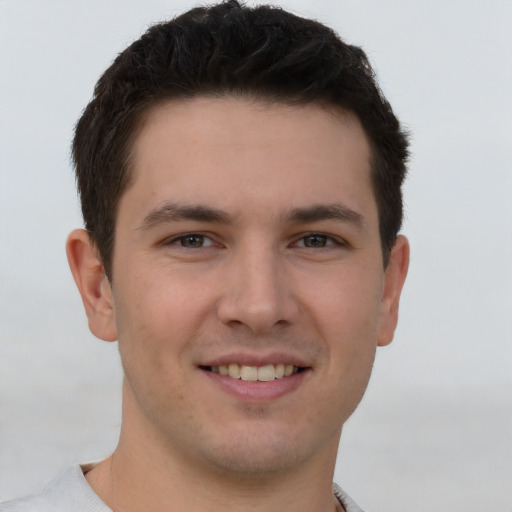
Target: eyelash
{"points": [[183, 237], [327, 240]]}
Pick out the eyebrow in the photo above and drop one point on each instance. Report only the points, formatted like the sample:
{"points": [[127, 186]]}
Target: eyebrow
{"points": [[319, 212], [173, 212]]}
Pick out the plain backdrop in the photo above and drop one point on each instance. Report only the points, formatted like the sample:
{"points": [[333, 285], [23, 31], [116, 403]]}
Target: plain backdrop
{"points": [[434, 431]]}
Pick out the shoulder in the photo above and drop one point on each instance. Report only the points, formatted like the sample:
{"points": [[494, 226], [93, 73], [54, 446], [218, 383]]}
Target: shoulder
{"points": [[70, 491], [28, 503]]}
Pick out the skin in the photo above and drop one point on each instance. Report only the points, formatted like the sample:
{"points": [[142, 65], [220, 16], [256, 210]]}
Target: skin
{"points": [[261, 271]]}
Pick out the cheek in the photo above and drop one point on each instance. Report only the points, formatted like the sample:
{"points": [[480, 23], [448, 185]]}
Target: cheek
{"points": [[158, 315], [347, 318], [158, 301], [151, 347], [346, 306], [144, 325]]}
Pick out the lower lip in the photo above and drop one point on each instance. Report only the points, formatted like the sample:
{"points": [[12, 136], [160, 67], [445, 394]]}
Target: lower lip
{"points": [[258, 391]]}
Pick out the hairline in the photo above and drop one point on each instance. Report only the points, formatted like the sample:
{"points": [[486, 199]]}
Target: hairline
{"points": [[141, 115]]}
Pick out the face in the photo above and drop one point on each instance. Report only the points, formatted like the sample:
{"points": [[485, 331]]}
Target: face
{"points": [[248, 243]]}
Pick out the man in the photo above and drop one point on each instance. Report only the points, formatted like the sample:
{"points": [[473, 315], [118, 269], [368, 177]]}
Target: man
{"points": [[240, 176]]}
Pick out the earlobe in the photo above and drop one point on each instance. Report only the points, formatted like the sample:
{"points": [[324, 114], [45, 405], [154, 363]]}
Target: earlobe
{"points": [[394, 279], [92, 283]]}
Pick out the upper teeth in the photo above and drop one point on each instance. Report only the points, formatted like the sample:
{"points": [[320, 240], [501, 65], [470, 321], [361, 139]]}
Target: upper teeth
{"points": [[254, 373]]}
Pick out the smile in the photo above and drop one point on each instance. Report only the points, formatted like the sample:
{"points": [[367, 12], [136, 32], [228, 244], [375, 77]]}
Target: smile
{"points": [[264, 373]]}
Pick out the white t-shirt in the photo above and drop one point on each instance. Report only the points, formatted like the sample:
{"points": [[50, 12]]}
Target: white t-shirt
{"points": [[71, 492]]}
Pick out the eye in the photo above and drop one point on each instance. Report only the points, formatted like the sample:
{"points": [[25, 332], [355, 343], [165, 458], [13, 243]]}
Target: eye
{"points": [[316, 241], [193, 241]]}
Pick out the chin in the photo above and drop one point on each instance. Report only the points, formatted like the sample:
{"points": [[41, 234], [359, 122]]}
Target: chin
{"points": [[260, 452], [253, 462]]}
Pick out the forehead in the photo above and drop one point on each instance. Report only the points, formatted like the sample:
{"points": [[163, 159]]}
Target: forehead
{"points": [[241, 120], [232, 150]]}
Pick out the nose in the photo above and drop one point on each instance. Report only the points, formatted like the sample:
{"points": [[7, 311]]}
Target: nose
{"points": [[258, 291]]}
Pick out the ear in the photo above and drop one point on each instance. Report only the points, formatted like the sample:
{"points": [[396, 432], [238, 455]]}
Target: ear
{"points": [[394, 279], [92, 284]]}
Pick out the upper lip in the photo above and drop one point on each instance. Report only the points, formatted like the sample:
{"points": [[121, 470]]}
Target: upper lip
{"points": [[252, 359]]}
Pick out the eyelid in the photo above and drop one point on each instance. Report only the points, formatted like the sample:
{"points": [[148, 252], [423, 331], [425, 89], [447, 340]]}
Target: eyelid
{"points": [[332, 240], [336, 240], [172, 240]]}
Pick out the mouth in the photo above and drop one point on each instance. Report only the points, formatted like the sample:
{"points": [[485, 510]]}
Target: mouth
{"points": [[265, 373]]}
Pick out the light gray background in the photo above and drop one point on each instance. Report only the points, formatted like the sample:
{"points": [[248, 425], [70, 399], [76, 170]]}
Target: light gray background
{"points": [[434, 431]]}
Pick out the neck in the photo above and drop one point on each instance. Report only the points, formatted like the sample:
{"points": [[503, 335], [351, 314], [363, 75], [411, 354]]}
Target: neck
{"points": [[146, 474], [126, 490]]}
